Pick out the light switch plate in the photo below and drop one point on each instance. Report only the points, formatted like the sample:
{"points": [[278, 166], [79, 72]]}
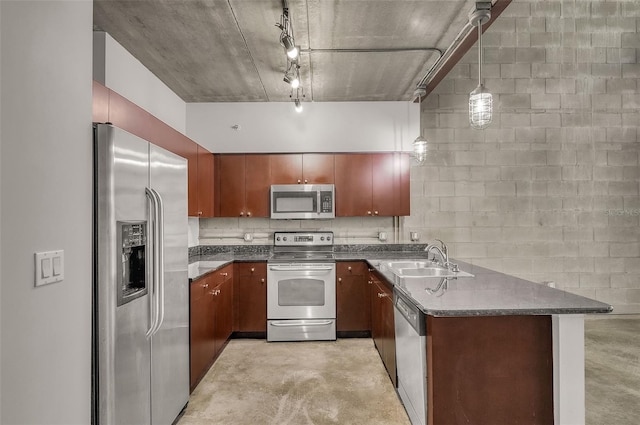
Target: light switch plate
{"points": [[49, 267]]}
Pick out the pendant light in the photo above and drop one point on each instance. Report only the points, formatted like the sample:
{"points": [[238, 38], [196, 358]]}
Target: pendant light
{"points": [[420, 145], [480, 100]]}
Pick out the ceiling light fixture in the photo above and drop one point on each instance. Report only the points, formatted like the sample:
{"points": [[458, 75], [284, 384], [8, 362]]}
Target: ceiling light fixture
{"points": [[420, 145], [286, 35], [297, 101], [292, 75], [480, 100]]}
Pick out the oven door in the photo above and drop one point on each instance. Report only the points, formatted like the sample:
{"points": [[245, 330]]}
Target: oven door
{"points": [[301, 291]]}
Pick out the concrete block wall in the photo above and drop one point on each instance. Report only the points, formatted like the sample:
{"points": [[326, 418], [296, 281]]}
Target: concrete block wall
{"points": [[550, 190]]}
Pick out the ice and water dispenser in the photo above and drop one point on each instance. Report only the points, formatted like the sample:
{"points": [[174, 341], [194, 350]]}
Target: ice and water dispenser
{"points": [[132, 264]]}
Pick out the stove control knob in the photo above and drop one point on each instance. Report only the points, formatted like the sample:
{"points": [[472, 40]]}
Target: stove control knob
{"points": [[328, 238], [278, 238], [321, 238], [284, 238]]}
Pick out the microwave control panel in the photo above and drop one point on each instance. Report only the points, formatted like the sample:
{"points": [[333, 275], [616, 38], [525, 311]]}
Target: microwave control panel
{"points": [[326, 201]]}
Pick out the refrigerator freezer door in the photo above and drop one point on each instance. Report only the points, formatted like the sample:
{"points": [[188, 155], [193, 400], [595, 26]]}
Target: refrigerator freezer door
{"points": [[170, 344], [122, 352]]}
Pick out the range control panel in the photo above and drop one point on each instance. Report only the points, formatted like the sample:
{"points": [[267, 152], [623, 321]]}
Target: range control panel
{"points": [[302, 238]]}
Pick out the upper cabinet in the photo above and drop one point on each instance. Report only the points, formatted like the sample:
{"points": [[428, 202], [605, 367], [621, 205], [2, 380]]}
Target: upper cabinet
{"points": [[307, 168], [372, 184], [242, 185], [205, 184]]}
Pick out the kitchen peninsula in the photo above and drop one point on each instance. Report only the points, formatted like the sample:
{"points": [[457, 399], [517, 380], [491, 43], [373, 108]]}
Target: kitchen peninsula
{"points": [[499, 349]]}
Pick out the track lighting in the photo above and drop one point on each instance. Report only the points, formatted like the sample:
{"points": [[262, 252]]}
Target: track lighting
{"points": [[480, 100], [290, 46], [292, 75], [297, 102], [420, 145]]}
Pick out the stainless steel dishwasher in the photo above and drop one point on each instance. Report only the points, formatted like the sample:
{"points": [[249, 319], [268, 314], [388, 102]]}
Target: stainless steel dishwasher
{"points": [[411, 358]]}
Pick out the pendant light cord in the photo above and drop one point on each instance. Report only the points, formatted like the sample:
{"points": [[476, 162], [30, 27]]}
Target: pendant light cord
{"points": [[480, 52]]}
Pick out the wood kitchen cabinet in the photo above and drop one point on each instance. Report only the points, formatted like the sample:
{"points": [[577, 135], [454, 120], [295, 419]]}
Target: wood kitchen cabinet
{"points": [[353, 304], [375, 184], [250, 297], [204, 184], [242, 185], [307, 168], [210, 319], [382, 324]]}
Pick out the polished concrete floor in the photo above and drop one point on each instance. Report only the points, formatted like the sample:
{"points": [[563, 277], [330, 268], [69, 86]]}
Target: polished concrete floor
{"points": [[254, 382], [612, 369]]}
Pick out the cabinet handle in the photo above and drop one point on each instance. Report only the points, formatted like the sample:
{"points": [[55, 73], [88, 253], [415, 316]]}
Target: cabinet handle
{"points": [[369, 282], [199, 212], [349, 268], [339, 279], [248, 214], [241, 213], [206, 285], [253, 269], [299, 181], [306, 181], [368, 212], [224, 274], [261, 280], [375, 212], [381, 295]]}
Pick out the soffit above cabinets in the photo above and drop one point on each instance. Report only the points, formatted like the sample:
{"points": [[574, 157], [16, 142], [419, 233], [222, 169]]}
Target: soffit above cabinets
{"points": [[229, 51]]}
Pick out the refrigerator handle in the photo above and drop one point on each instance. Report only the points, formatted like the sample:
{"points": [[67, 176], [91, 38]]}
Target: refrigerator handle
{"points": [[160, 256], [153, 290]]}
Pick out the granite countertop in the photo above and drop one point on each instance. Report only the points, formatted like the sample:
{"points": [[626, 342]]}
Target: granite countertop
{"points": [[488, 293]]}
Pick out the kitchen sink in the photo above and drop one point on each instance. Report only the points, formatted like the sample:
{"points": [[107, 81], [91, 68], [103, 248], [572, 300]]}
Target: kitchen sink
{"points": [[422, 269]]}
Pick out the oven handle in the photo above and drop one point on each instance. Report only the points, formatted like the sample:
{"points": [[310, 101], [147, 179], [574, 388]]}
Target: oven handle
{"points": [[299, 269], [285, 325]]}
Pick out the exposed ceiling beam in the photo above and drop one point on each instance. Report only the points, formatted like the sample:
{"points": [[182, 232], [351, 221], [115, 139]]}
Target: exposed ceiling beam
{"points": [[450, 59]]}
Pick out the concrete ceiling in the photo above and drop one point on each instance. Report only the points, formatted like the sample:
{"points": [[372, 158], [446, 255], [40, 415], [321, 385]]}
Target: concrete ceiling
{"points": [[229, 51]]}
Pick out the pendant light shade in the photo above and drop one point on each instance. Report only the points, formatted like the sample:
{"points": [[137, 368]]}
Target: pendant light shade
{"points": [[480, 100], [420, 145], [480, 107]]}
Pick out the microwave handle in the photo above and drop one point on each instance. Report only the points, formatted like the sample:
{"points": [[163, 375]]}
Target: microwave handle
{"points": [[319, 204]]}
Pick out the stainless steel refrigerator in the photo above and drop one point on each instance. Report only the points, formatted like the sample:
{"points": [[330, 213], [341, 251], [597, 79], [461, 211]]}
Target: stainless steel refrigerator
{"points": [[141, 298]]}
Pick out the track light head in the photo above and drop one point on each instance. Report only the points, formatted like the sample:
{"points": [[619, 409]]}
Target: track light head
{"points": [[298, 105], [290, 46]]}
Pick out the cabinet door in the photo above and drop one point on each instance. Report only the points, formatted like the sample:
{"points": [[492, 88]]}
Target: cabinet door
{"points": [[286, 168], [197, 330], [250, 295], [205, 183], [391, 184], [257, 185], [389, 335], [353, 305], [191, 153], [385, 184], [353, 185], [222, 295], [377, 319], [230, 193], [318, 168]]}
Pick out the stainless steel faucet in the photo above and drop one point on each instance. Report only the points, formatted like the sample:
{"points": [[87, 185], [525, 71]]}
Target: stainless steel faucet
{"points": [[444, 254]]}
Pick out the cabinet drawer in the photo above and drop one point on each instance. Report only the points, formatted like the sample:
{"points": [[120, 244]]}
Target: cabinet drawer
{"points": [[351, 268], [251, 269]]}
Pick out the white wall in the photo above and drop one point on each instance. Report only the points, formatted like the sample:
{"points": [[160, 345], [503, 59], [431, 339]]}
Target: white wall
{"points": [[46, 175], [321, 127], [116, 68]]}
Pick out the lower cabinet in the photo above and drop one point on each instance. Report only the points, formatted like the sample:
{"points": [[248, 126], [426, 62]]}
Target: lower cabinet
{"points": [[211, 319], [250, 297], [383, 325], [353, 307]]}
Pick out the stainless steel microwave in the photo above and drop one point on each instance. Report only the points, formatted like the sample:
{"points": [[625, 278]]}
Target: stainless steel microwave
{"points": [[302, 201]]}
